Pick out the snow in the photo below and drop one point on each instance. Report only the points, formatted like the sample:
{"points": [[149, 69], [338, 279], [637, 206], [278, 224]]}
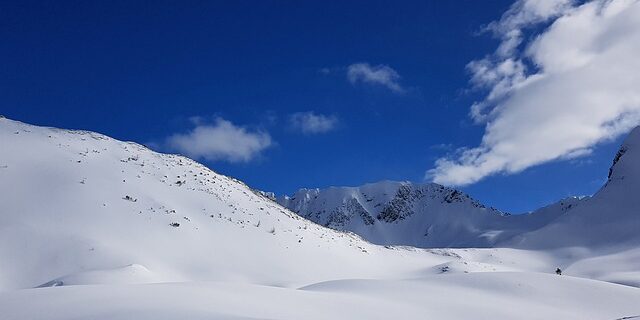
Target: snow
{"points": [[609, 219], [75, 202], [421, 215], [497, 295], [432, 216], [95, 228]]}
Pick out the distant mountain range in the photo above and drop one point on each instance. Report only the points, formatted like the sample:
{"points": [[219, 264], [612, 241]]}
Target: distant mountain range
{"points": [[430, 215], [421, 215]]}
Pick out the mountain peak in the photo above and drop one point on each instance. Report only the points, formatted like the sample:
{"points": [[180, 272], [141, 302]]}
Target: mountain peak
{"points": [[625, 160], [399, 213], [609, 217]]}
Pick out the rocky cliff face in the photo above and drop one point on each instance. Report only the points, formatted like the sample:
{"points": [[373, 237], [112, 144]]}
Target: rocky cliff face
{"points": [[405, 213], [431, 215]]}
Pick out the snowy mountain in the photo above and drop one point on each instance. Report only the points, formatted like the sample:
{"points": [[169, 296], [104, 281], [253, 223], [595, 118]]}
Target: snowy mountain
{"points": [[79, 207], [421, 215], [431, 215], [96, 228], [611, 218]]}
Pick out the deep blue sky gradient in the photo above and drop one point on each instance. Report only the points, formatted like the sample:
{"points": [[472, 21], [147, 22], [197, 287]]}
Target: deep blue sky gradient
{"points": [[138, 70]]}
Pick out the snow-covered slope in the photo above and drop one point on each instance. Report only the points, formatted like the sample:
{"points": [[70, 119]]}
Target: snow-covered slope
{"points": [[610, 219], [496, 296], [102, 226], [421, 215], [79, 207]]}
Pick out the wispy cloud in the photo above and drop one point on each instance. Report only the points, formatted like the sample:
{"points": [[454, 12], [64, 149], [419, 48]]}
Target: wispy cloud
{"points": [[573, 85], [220, 141], [376, 75], [312, 123]]}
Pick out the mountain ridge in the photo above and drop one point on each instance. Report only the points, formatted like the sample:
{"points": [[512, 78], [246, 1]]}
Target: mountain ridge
{"points": [[608, 218], [424, 215], [397, 202]]}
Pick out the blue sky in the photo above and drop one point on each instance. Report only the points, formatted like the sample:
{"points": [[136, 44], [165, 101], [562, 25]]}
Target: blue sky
{"points": [[319, 93]]}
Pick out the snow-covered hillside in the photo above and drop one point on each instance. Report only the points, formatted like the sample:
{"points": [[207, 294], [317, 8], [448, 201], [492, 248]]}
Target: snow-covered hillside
{"points": [[421, 215], [80, 207], [499, 295], [95, 228], [609, 219]]}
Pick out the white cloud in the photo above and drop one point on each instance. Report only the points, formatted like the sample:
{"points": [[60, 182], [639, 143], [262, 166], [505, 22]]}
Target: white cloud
{"points": [[221, 140], [523, 14], [572, 86], [311, 123], [379, 75]]}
